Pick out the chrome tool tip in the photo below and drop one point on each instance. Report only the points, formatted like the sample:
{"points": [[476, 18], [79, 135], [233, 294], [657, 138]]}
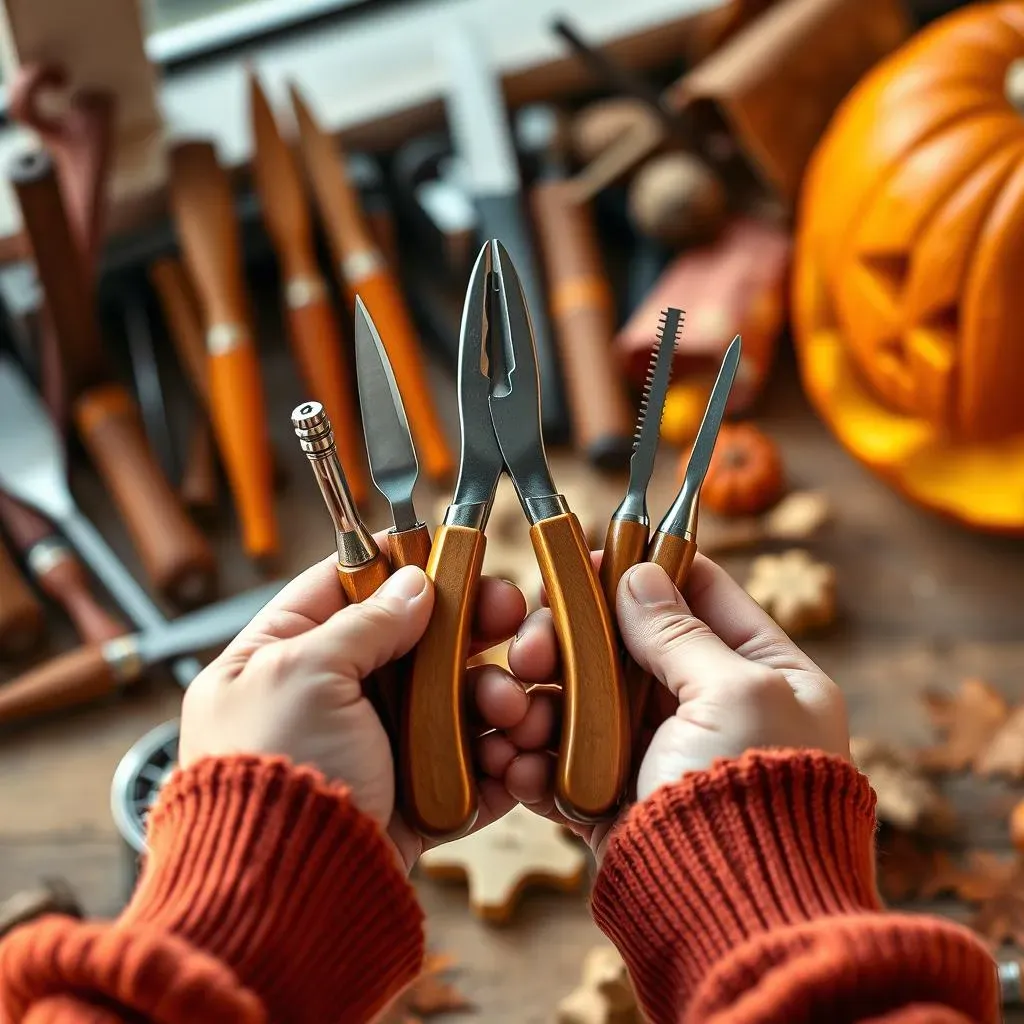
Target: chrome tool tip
{"points": [[313, 429]]}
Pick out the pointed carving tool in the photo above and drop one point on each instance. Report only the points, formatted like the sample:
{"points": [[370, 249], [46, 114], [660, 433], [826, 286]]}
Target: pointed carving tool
{"points": [[366, 273], [674, 544], [98, 670], [392, 456], [33, 470], [630, 524], [313, 328], [204, 215]]}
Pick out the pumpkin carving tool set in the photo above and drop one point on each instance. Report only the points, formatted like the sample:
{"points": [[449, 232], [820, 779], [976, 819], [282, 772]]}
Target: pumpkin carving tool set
{"points": [[421, 700]]}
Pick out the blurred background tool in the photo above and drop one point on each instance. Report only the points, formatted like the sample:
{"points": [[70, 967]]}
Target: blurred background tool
{"points": [[365, 272], [579, 294], [393, 463], [176, 556], [32, 469], [479, 125], [22, 619], [313, 329], [203, 213], [97, 671]]}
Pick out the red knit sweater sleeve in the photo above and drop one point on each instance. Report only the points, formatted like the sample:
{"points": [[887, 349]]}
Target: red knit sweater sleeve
{"points": [[266, 896], [747, 893]]}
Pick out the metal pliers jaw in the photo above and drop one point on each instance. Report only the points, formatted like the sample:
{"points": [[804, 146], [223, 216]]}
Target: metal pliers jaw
{"points": [[499, 398]]}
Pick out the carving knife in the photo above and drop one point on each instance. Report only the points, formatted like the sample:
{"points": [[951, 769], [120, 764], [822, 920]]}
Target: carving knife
{"points": [[483, 142], [313, 328], [393, 463], [98, 670], [365, 272]]}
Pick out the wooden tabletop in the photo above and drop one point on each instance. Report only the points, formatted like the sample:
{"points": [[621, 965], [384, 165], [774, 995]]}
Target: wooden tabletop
{"points": [[923, 604]]}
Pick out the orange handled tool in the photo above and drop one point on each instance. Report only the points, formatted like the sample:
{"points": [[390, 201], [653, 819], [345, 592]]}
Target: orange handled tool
{"points": [[314, 333], [365, 272], [499, 403], [203, 211]]}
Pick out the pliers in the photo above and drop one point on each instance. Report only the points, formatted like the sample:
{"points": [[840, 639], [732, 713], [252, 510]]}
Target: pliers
{"points": [[499, 413]]}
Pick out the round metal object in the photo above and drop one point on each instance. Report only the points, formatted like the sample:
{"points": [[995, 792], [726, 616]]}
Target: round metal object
{"points": [[138, 780]]}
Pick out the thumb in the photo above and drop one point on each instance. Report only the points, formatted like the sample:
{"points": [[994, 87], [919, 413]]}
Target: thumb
{"points": [[364, 637], [663, 636]]}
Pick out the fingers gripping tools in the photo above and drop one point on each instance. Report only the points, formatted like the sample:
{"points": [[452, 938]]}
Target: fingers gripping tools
{"points": [[499, 412]]}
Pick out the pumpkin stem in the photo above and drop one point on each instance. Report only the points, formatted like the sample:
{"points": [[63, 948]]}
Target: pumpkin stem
{"points": [[1014, 84]]}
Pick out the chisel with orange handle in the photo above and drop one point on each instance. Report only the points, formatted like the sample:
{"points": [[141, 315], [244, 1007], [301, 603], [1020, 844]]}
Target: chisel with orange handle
{"points": [[674, 543], [365, 273], [313, 328], [499, 404], [204, 216], [630, 525]]}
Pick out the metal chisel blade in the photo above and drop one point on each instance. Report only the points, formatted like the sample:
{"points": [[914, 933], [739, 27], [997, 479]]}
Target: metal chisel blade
{"points": [[389, 447]]}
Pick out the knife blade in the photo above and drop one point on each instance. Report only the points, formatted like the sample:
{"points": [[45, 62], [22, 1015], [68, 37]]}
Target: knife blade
{"points": [[394, 467], [483, 142], [98, 670]]}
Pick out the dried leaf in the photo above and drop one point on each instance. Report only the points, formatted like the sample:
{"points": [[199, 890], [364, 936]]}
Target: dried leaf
{"points": [[906, 798], [1000, 918], [797, 591], [1005, 754], [428, 996], [983, 877], [968, 722]]}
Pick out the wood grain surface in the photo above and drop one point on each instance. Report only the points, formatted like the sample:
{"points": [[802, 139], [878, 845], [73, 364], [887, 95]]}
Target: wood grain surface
{"points": [[931, 605]]}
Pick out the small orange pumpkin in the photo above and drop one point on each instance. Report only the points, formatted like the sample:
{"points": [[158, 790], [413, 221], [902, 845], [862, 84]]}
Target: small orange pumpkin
{"points": [[745, 475], [907, 296]]}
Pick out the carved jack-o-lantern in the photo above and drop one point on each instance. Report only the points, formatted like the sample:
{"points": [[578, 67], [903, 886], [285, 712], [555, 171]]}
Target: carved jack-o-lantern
{"points": [[909, 268]]}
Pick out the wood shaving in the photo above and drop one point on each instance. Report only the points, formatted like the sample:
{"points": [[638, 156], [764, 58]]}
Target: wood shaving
{"points": [[428, 996], [906, 798], [798, 516], [1005, 754], [968, 722], [605, 994], [797, 591]]}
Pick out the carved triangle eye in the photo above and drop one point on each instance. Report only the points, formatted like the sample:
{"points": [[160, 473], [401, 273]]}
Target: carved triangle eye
{"points": [[890, 270]]}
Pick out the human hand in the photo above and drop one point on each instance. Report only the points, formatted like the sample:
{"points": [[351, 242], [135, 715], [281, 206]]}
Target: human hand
{"points": [[732, 678], [290, 684]]}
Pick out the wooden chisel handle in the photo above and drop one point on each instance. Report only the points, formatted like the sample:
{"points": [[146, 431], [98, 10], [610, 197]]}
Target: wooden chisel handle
{"points": [[67, 681], [593, 763], [675, 555], [22, 620], [184, 321], [176, 556], [199, 487], [58, 572], [386, 306], [240, 426], [625, 544], [584, 322], [316, 341], [410, 547], [438, 791], [362, 581]]}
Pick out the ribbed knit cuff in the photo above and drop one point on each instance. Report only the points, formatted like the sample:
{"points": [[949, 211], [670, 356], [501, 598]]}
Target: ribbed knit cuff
{"points": [[276, 874], [713, 879]]}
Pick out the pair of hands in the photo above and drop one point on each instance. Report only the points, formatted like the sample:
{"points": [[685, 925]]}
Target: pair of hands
{"points": [[290, 684]]}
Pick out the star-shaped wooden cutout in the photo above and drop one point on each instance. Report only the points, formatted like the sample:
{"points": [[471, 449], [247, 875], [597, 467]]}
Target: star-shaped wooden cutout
{"points": [[500, 861]]}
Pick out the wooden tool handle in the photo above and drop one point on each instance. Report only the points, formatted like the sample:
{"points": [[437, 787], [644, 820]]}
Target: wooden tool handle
{"points": [[386, 306], [438, 790], [410, 547], [65, 682], [625, 544], [362, 581], [175, 554], [22, 620], [316, 341], [237, 412], [675, 555], [63, 578], [584, 320], [594, 757], [184, 321], [199, 486]]}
